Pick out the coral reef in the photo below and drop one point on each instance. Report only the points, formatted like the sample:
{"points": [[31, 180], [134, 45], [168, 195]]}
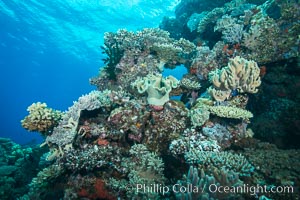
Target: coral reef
{"points": [[64, 134], [204, 62], [189, 84], [193, 141], [141, 127], [218, 133], [145, 168], [18, 165], [165, 126], [232, 30], [281, 171], [199, 115], [138, 54]]}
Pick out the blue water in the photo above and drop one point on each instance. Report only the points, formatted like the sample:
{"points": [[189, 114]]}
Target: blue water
{"points": [[50, 49]]}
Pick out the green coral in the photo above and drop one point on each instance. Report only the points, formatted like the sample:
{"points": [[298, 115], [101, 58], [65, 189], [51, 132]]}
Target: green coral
{"points": [[199, 115], [157, 88], [200, 183], [41, 118], [149, 163], [230, 112], [226, 160], [40, 184]]}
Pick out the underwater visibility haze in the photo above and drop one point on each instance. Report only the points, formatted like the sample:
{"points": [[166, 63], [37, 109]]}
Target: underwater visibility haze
{"points": [[190, 99], [50, 49]]}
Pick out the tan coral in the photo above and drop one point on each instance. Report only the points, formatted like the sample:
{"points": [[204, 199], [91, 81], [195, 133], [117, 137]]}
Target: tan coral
{"points": [[230, 112], [205, 107], [41, 118], [219, 95], [240, 74]]}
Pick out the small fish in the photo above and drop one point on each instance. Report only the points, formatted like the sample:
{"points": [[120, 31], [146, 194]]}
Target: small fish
{"points": [[234, 92], [263, 71]]}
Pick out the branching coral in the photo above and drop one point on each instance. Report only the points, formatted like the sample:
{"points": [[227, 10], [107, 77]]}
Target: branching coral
{"points": [[200, 184], [230, 112], [193, 141], [45, 177], [240, 74], [140, 53], [226, 160], [189, 84], [41, 118], [210, 18], [204, 61], [145, 168], [231, 28], [174, 53], [194, 20]]}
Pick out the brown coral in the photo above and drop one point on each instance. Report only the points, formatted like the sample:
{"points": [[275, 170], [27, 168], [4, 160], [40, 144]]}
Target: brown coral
{"points": [[41, 118]]}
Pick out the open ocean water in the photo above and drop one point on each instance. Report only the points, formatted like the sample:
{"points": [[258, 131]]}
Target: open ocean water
{"points": [[49, 50]]}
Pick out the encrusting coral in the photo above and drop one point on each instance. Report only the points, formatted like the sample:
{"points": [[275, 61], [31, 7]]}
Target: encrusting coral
{"points": [[41, 118]]}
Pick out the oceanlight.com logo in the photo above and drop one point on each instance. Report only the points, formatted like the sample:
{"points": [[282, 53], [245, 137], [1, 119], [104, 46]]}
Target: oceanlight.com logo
{"points": [[211, 188], [247, 189]]}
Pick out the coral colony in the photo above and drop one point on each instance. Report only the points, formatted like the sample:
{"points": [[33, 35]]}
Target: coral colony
{"points": [[130, 139]]}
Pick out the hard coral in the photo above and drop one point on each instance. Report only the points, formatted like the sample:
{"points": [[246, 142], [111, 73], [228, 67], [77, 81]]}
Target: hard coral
{"points": [[41, 118]]}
